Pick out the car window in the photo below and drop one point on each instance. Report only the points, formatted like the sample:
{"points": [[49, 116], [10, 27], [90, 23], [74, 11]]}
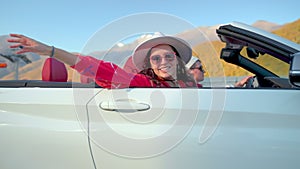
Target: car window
{"points": [[271, 63]]}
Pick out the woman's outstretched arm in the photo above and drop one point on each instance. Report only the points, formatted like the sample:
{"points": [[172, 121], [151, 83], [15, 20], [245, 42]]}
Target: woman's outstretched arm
{"points": [[26, 44]]}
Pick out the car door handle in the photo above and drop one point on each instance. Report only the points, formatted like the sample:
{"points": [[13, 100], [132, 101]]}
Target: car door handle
{"points": [[126, 106]]}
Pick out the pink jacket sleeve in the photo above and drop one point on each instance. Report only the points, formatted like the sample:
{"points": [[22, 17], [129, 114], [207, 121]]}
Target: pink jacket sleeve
{"points": [[109, 75]]}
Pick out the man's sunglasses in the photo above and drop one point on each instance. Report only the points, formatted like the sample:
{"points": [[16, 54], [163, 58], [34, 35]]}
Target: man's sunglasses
{"points": [[200, 68]]}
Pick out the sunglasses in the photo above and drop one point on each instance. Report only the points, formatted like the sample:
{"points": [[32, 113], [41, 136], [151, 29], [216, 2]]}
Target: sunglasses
{"points": [[199, 68], [156, 59]]}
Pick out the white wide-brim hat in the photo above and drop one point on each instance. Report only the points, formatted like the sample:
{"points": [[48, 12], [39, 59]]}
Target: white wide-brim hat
{"points": [[192, 61], [182, 47]]}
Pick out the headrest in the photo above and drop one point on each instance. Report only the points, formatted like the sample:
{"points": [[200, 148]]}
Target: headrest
{"points": [[54, 70]]}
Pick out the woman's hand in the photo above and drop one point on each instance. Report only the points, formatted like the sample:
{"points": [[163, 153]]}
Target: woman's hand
{"points": [[26, 44]]}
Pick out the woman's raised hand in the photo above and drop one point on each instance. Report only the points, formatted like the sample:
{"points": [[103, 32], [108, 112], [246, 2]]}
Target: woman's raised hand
{"points": [[26, 44]]}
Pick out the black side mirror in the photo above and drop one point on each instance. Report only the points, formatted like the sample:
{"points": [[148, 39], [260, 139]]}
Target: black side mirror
{"points": [[294, 75]]}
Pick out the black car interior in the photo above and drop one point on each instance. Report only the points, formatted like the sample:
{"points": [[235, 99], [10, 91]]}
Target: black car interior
{"points": [[237, 39]]}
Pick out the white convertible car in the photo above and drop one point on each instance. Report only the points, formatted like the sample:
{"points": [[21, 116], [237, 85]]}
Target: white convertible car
{"points": [[64, 125]]}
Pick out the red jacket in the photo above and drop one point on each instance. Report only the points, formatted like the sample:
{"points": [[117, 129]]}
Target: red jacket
{"points": [[109, 75], [199, 85]]}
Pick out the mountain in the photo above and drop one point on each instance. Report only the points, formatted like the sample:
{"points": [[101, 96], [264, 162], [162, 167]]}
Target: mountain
{"points": [[268, 26], [290, 31], [208, 33], [203, 34], [207, 39]]}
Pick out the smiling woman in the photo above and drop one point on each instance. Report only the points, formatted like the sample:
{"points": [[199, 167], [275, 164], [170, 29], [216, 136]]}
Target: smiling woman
{"points": [[161, 60]]}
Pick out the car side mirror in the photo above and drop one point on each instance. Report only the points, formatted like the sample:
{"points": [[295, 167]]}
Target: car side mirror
{"points": [[294, 74]]}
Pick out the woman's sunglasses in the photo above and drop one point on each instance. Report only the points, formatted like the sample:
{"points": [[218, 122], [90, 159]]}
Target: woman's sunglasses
{"points": [[156, 59]]}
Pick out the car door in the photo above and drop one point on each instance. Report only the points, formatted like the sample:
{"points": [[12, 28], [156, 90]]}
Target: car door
{"points": [[145, 127], [44, 128]]}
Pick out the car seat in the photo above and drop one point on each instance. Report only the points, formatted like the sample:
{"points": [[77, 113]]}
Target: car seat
{"points": [[54, 71]]}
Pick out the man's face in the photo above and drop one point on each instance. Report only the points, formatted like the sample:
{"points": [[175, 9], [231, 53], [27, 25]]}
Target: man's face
{"points": [[197, 71]]}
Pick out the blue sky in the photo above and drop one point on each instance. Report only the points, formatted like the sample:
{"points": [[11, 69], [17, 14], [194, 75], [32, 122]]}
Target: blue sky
{"points": [[70, 24]]}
